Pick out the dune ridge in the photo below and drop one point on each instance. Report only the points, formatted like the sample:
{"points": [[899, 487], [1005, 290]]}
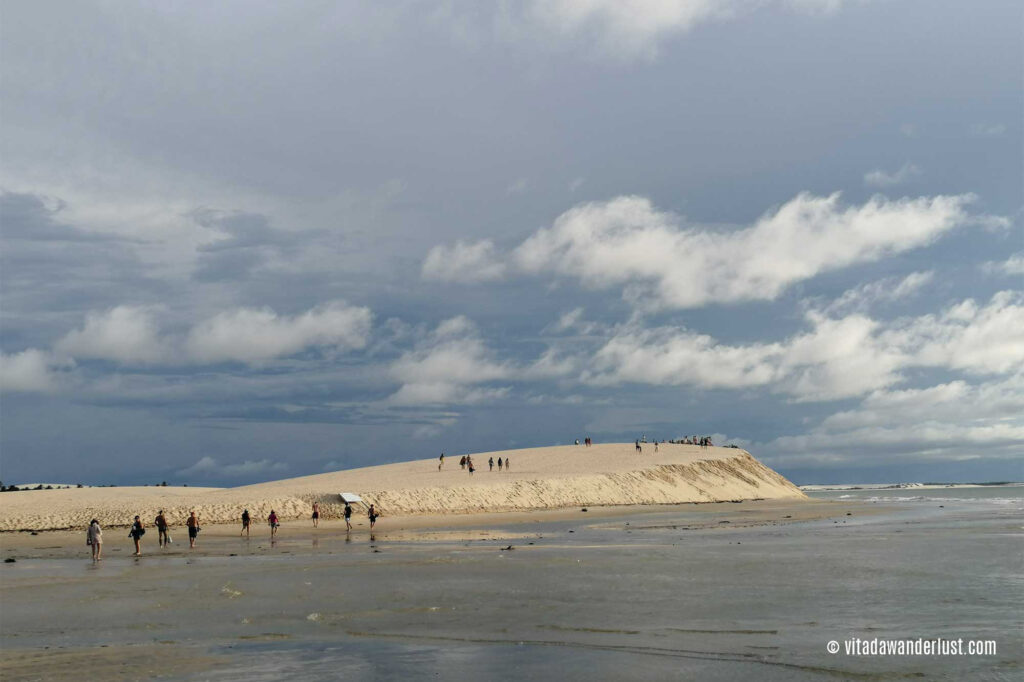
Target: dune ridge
{"points": [[541, 478]]}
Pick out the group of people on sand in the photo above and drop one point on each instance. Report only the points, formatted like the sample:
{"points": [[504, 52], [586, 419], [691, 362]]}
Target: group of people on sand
{"points": [[586, 441], [94, 534], [702, 441], [466, 462], [640, 442]]}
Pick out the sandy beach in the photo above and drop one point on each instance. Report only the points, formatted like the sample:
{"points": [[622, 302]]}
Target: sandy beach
{"points": [[557, 477]]}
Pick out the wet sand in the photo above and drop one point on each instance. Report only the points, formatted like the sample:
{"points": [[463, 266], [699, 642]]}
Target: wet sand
{"points": [[711, 591], [299, 535]]}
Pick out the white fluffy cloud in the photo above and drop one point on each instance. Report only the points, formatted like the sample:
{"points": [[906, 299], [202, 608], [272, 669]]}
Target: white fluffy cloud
{"points": [[954, 420], [890, 289], [464, 262], [447, 367], [132, 335], [626, 28], [125, 334], [881, 178], [627, 243], [454, 364], [30, 371], [208, 466], [1014, 265], [635, 28], [256, 335], [838, 358], [985, 339]]}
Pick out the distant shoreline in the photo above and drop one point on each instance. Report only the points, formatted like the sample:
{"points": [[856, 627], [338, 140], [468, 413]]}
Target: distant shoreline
{"points": [[905, 486]]}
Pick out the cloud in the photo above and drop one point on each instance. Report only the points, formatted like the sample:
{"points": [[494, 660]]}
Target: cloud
{"points": [[988, 129], [985, 339], [636, 29], [625, 29], [517, 187], [125, 334], [837, 358], [881, 178], [890, 289], [951, 421], [252, 335], [30, 371], [1014, 265], [464, 262], [131, 335], [627, 243], [208, 467], [447, 367]]}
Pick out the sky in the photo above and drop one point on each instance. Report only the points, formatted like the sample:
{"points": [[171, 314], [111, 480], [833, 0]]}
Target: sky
{"points": [[245, 241]]}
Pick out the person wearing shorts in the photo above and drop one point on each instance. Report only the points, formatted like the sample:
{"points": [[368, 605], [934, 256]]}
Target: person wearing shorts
{"points": [[373, 514], [193, 529], [161, 528], [272, 520], [245, 522], [136, 533], [348, 517], [316, 514]]}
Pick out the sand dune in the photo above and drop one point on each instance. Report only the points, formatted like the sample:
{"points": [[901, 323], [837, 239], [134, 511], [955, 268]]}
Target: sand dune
{"points": [[541, 478]]}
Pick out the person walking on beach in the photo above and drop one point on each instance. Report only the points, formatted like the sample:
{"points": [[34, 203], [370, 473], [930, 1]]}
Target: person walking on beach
{"points": [[136, 533], [490, 464], [655, 446], [440, 461], [193, 529], [469, 463], [162, 537], [638, 448], [462, 461], [373, 514], [508, 464], [499, 464], [316, 514], [348, 516], [94, 538], [245, 523], [272, 520]]}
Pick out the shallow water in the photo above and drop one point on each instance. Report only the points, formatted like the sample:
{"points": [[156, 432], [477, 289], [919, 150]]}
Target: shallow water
{"points": [[639, 597]]}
